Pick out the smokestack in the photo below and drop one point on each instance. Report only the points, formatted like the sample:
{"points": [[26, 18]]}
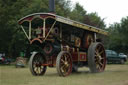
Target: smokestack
{"points": [[52, 6]]}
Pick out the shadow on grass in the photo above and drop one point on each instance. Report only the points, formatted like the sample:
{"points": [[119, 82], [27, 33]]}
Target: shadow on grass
{"points": [[72, 74], [51, 75], [81, 72]]}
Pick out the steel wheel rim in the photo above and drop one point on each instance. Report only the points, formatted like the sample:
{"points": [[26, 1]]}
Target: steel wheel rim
{"points": [[100, 58]]}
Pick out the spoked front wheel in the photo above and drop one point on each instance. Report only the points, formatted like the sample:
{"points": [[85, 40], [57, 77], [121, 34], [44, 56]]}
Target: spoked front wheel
{"points": [[96, 57], [64, 63], [35, 64]]}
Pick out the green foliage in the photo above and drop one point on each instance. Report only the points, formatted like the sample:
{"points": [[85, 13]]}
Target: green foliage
{"points": [[118, 36], [11, 12], [12, 39], [78, 13], [63, 7], [94, 20]]}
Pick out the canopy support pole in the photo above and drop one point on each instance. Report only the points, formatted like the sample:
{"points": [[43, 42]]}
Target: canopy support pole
{"points": [[29, 30], [25, 33]]}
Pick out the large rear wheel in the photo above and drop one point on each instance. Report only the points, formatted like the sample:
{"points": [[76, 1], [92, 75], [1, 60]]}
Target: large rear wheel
{"points": [[96, 57], [35, 64], [64, 63]]}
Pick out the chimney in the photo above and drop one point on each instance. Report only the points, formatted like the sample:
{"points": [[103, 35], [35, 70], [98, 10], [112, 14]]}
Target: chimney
{"points": [[52, 6]]}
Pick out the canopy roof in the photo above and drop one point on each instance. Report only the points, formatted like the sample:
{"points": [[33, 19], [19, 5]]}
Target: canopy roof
{"points": [[63, 20]]}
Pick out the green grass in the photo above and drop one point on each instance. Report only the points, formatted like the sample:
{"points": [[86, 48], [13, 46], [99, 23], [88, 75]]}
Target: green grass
{"points": [[113, 75], [126, 62]]}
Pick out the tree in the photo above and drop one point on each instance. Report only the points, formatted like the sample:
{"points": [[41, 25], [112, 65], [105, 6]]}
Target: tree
{"points": [[78, 13], [10, 13], [94, 20], [118, 36], [12, 39], [63, 7]]}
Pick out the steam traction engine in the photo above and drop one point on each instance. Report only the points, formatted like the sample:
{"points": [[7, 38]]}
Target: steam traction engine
{"points": [[63, 43]]}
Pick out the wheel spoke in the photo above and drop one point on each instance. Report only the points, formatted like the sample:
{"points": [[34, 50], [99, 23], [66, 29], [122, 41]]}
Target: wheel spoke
{"points": [[101, 52], [68, 60], [101, 58], [97, 53], [96, 56], [36, 69], [62, 60], [97, 66], [100, 64], [99, 47], [65, 57], [63, 68], [40, 69]]}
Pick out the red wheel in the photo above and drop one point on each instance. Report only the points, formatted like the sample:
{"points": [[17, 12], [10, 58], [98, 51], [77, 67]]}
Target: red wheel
{"points": [[88, 39], [35, 64], [96, 57], [64, 63]]}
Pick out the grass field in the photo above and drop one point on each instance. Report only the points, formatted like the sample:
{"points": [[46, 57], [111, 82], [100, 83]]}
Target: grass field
{"points": [[113, 75]]}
